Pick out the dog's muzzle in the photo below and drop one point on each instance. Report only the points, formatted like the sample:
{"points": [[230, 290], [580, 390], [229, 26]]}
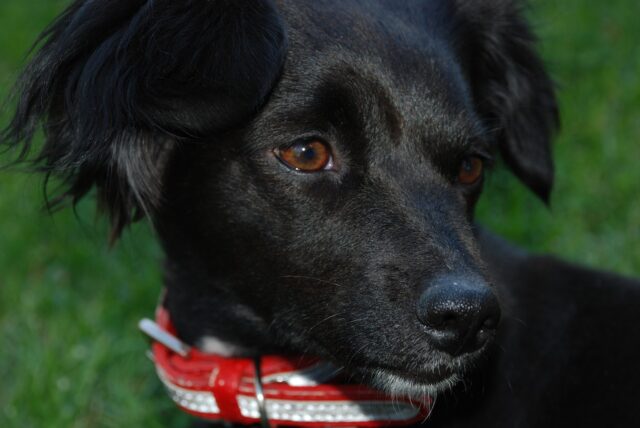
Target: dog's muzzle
{"points": [[271, 390]]}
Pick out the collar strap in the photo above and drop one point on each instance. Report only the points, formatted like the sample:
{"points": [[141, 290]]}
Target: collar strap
{"points": [[272, 390]]}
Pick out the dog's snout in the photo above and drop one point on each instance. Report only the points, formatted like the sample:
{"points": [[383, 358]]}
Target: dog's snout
{"points": [[460, 313]]}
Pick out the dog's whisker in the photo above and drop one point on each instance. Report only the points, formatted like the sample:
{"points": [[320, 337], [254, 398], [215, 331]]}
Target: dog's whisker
{"points": [[310, 278], [322, 321], [355, 354]]}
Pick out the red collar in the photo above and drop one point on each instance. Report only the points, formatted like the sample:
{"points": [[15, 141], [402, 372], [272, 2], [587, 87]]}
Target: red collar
{"points": [[273, 390]]}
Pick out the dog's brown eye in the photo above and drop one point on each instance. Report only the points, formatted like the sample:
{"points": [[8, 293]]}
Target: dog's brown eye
{"points": [[306, 156], [470, 170]]}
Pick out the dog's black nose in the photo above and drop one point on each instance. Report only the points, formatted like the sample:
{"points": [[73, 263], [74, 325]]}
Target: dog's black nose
{"points": [[460, 312]]}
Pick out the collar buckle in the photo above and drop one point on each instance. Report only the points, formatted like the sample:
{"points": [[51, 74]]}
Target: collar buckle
{"points": [[157, 333]]}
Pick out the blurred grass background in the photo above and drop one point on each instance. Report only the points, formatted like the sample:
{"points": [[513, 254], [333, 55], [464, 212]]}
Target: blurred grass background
{"points": [[70, 355]]}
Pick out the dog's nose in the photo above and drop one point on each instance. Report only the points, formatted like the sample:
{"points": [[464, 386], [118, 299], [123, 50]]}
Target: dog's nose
{"points": [[461, 313]]}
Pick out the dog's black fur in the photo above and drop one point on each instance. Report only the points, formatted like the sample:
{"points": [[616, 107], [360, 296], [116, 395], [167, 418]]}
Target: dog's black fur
{"points": [[173, 110]]}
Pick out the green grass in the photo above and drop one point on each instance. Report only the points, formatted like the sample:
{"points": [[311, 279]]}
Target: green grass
{"points": [[70, 355]]}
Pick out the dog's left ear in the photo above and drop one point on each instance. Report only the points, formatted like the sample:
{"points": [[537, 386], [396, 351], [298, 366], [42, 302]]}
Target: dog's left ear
{"points": [[511, 89]]}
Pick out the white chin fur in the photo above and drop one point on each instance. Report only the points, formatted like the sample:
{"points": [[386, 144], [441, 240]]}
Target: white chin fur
{"points": [[397, 386], [212, 345]]}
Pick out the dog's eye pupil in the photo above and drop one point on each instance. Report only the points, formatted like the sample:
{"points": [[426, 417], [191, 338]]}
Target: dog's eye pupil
{"points": [[309, 154], [471, 170], [306, 156]]}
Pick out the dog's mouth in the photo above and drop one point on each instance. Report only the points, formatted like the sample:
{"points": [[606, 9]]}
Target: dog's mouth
{"points": [[400, 385], [413, 385], [417, 383]]}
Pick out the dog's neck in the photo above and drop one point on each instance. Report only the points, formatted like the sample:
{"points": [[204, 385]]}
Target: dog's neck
{"points": [[217, 322]]}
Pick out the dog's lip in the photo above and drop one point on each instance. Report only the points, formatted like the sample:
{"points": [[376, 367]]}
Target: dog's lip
{"points": [[418, 386], [427, 378]]}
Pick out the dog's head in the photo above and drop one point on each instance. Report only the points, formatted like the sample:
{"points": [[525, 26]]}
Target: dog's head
{"points": [[311, 167]]}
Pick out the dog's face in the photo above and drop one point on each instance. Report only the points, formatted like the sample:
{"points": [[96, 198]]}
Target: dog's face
{"points": [[311, 167]]}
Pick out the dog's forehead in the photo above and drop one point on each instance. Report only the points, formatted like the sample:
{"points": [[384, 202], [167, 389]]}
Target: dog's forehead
{"points": [[390, 61], [363, 21], [409, 41]]}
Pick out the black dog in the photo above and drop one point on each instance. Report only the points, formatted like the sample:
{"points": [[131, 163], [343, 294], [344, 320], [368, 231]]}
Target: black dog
{"points": [[311, 168]]}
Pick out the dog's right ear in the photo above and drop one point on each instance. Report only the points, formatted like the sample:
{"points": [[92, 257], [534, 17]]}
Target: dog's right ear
{"points": [[511, 89], [116, 84]]}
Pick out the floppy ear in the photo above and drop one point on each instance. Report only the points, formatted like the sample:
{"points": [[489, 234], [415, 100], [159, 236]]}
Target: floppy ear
{"points": [[116, 84], [511, 88]]}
